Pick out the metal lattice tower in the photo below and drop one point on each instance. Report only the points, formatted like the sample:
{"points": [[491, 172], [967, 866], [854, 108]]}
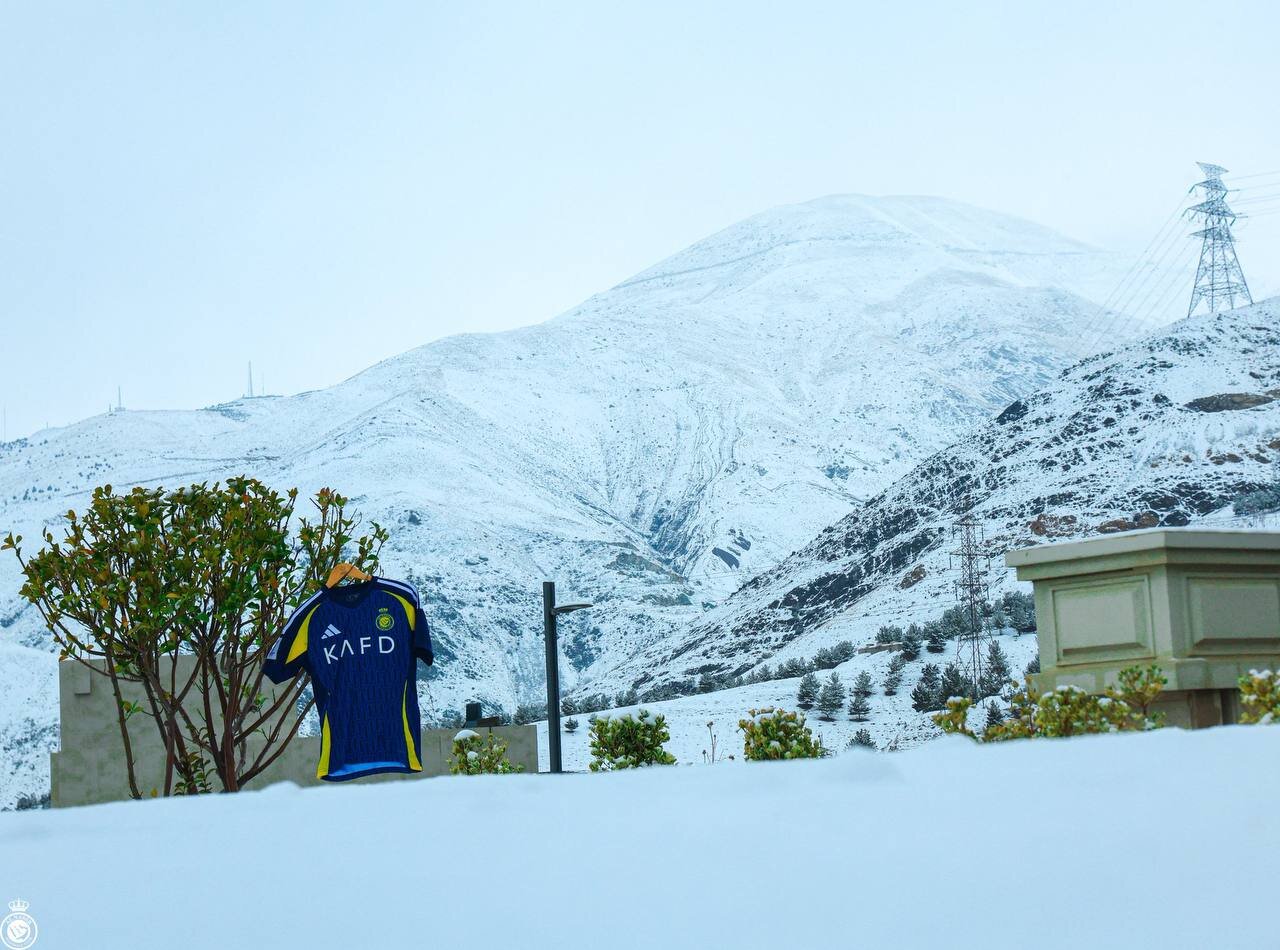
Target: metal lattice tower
{"points": [[971, 592], [1219, 280]]}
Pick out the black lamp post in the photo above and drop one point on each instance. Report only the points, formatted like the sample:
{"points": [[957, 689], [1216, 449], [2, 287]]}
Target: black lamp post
{"points": [[549, 614]]}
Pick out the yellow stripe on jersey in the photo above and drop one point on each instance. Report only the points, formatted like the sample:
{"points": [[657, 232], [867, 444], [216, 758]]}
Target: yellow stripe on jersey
{"points": [[408, 608], [408, 733], [300, 641], [322, 769]]}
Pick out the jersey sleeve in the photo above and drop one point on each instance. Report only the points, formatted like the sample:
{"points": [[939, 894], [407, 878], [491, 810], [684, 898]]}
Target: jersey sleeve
{"points": [[422, 635], [288, 655]]}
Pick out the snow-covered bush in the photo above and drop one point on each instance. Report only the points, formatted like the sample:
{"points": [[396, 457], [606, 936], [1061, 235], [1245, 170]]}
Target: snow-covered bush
{"points": [[1262, 501], [862, 738], [570, 725], [1068, 710], [1260, 697], [778, 734], [473, 755], [626, 741]]}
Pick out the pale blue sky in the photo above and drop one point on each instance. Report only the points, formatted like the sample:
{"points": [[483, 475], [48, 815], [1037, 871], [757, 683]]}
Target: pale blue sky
{"points": [[185, 187]]}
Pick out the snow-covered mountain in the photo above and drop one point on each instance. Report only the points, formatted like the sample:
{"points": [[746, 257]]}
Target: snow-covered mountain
{"points": [[1165, 431], [650, 450]]}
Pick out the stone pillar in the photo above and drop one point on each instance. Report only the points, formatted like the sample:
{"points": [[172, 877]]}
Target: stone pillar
{"points": [[1202, 605]]}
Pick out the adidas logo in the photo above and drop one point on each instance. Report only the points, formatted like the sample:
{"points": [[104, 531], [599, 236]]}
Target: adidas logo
{"points": [[330, 631]]}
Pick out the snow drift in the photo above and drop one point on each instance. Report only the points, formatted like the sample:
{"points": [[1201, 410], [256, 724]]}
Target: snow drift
{"points": [[1063, 843]]}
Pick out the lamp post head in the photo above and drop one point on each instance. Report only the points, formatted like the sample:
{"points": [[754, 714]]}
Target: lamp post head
{"points": [[570, 608]]}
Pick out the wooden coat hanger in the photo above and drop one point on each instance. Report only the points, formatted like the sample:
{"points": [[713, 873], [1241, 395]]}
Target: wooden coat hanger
{"points": [[342, 570]]}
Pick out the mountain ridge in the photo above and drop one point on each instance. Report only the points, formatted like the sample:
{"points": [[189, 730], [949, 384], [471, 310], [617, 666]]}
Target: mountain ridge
{"points": [[652, 448]]}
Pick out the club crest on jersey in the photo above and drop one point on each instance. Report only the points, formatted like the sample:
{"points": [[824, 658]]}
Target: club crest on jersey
{"points": [[385, 621]]}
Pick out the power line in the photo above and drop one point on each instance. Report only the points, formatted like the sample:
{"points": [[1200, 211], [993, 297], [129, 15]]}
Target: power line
{"points": [[1126, 279], [1153, 273], [1255, 175]]}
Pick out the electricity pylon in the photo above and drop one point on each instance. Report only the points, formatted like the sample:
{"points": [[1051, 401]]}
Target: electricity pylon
{"points": [[1219, 279], [971, 591]]}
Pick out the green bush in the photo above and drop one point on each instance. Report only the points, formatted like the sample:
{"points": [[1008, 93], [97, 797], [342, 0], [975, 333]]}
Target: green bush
{"points": [[1068, 710], [1260, 697], [778, 734], [626, 741], [473, 755]]}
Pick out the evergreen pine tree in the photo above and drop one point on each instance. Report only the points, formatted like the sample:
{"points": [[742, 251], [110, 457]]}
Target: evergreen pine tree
{"points": [[863, 685], [936, 640], [859, 708], [995, 672], [1034, 666], [924, 696], [808, 694], [570, 725], [912, 639], [862, 738], [889, 634], [831, 697], [954, 683], [995, 715], [892, 680]]}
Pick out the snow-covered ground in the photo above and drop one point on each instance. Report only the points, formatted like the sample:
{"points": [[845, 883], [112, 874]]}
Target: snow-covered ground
{"points": [[1164, 839]]}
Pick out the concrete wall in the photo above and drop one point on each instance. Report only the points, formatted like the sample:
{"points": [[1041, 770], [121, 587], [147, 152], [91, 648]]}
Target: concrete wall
{"points": [[89, 768], [1204, 606]]}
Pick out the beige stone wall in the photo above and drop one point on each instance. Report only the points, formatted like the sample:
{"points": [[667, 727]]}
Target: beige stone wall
{"points": [[89, 768], [1204, 606]]}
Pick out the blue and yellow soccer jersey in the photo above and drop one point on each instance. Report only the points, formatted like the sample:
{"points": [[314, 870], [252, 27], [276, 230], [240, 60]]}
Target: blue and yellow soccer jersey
{"points": [[360, 643]]}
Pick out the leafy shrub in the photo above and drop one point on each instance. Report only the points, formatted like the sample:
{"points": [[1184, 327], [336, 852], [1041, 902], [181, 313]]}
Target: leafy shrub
{"points": [[207, 574], [624, 741], [473, 755], [570, 725], [778, 734], [1260, 697], [1068, 710]]}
